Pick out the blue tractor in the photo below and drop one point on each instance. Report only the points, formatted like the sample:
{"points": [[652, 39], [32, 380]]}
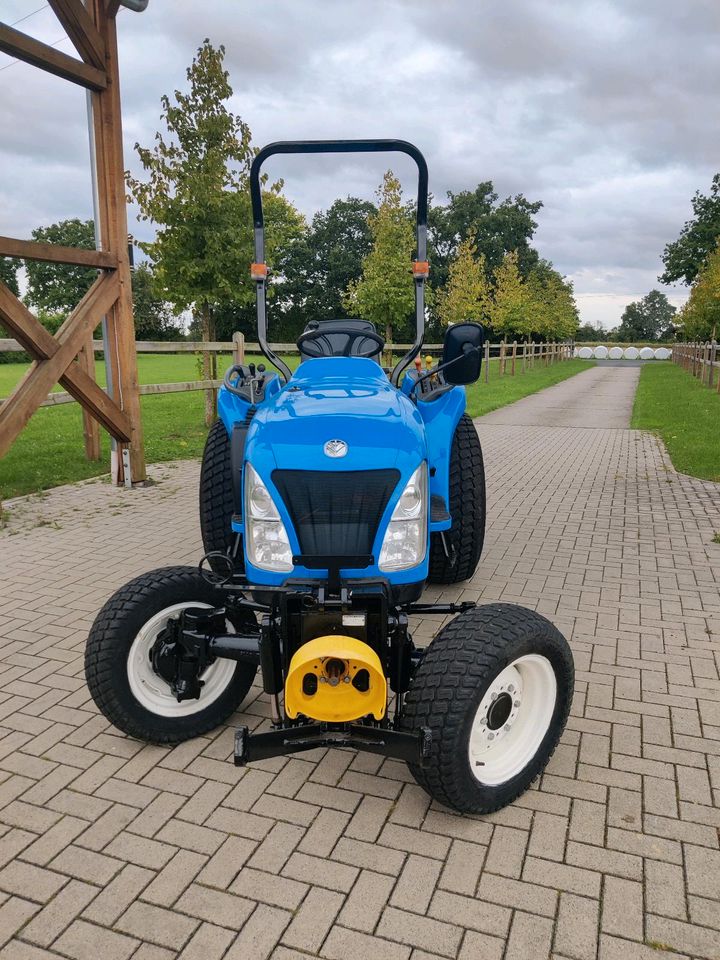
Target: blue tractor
{"points": [[329, 497]]}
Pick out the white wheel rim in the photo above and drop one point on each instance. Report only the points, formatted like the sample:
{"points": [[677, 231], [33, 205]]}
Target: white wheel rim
{"points": [[151, 691], [499, 752]]}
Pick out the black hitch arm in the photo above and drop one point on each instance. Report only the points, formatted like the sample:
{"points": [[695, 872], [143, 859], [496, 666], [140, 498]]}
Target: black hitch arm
{"points": [[398, 744]]}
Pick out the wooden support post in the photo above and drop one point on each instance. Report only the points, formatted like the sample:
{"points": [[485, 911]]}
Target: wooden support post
{"points": [[107, 121], [524, 366], [514, 358], [713, 354], [91, 428], [503, 346], [487, 360], [238, 348]]}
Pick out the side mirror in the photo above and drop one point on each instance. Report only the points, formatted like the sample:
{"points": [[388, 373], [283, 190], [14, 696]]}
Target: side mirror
{"points": [[462, 353]]}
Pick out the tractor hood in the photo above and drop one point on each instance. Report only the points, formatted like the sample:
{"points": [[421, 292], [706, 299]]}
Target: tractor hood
{"points": [[343, 399]]}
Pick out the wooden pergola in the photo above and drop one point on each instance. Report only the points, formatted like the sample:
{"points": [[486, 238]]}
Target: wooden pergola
{"points": [[68, 356]]}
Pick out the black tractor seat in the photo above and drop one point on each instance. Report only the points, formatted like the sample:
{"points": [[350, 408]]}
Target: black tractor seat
{"points": [[340, 338]]}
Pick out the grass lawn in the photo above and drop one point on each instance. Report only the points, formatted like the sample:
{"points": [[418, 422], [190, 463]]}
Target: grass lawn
{"points": [[673, 404], [50, 449]]}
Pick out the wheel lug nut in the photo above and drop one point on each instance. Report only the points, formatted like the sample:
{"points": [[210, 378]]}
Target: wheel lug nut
{"points": [[517, 703]]}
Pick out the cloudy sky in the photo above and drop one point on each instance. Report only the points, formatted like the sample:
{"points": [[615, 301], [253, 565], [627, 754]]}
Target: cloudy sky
{"points": [[605, 111]]}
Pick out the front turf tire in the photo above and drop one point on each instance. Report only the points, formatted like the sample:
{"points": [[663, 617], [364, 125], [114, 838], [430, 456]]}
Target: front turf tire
{"points": [[462, 669], [464, 539], [217, 500], [112, 672]]}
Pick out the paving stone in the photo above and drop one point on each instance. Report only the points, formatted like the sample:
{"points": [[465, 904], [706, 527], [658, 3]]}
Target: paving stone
{"points": [[622, 908], [422, 932], [530, 936], [366, 901], [260, 934], [590, 526], [313, 920], [85, 941]]}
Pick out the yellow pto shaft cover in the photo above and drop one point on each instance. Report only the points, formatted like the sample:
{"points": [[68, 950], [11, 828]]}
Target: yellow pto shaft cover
{"points": [[335, 679]]}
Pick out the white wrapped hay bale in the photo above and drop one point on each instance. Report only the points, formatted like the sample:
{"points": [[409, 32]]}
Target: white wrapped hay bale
{"points": [[615, 353], [662, 353], [585, 353], [631, 353], [601, 353], [647, 353]]}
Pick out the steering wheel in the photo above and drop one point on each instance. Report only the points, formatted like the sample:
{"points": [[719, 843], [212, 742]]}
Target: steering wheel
{"points": [[308, 342]]}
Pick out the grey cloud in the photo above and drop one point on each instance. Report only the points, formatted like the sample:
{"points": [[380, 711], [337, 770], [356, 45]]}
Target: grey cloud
{"points": [[602, 110]]}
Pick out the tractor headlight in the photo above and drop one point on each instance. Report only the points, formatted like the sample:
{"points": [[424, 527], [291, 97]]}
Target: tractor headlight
{"points": [[266, 539], [405, 540]]}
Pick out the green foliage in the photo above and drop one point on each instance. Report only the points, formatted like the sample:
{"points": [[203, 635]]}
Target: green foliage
{"points": [[509, 310], [197, 194], [467, 293], [8, 274], [700, 317], [319, 266], [650, 319], [588, 333], [154, 318], [55, 287], [385, 293], [495, 228], [552, 313], [685, 257]]}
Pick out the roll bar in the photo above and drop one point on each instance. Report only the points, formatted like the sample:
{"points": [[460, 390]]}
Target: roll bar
{"points": [[259, 269]]}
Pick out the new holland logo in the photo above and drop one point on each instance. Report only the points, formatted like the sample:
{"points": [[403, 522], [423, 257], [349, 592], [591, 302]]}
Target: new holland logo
{"points": [[335, 448]]}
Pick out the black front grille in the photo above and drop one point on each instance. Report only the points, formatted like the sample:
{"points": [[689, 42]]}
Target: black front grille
{"points": [[336, 514]]}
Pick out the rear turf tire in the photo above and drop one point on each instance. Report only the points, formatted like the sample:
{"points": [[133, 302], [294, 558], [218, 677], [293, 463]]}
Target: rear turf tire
{"points": [[217, 502], [464, 539], [467, 668], [120, 677]]}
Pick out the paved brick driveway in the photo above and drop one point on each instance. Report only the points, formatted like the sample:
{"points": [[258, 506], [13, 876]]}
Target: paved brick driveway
{"points": [[110, 849]]}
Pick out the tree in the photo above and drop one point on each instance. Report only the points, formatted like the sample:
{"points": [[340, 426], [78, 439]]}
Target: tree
{"points": [[587, 332], [552, 312], [509, 308], [197, 194], [648, 319], [467, 293], [54, 287], [8, 274], [319, 266], [385, 293], [496, 229], [684, 257], [700, 317], [154, 318]]}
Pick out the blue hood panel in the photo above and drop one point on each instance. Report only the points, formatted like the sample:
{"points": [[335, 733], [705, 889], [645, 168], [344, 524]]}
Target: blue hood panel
{"points": [[339, 398]]}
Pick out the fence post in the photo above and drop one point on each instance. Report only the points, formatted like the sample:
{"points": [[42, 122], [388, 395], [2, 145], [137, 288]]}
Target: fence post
{"points": [[238, 340], [487, 360], [711, 372], [502, 359], [514, 357], [524, 368]]}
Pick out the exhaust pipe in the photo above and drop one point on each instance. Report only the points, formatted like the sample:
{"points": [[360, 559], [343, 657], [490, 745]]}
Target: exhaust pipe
{"points": [[136, 5]]}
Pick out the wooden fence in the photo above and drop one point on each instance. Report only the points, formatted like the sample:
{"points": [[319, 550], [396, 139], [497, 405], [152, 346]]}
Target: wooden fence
{"points": [[514, 358], [702, 360]]}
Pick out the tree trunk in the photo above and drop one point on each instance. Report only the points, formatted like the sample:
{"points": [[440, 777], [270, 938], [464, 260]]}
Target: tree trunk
{"points": [[387, 355]]}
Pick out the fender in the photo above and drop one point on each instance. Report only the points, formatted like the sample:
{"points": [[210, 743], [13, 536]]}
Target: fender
{"points": [[441, 417]]}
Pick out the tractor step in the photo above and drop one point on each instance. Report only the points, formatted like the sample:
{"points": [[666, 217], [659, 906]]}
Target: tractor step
{"points": [[438, 509], [398, 744]]}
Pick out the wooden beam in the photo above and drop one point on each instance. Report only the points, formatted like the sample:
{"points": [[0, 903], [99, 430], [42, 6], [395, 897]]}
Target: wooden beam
{"points": [[42, 55], [82, 31], [112, 7], [107, 121], [56, 362], [55, 253], [91, 428]]}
